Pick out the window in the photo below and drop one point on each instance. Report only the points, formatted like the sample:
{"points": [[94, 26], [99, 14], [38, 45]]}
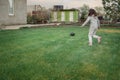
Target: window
{"points": [[11, 7]]}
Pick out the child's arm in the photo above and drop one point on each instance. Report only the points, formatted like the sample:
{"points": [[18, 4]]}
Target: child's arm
{"points": [[87, 20]]}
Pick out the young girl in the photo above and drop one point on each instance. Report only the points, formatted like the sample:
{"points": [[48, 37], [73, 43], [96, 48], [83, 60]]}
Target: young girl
{"points": [[94, 25]]}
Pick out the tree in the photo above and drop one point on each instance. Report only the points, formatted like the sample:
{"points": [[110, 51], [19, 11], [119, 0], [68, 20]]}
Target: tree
{"points": [[112, 9], [84, 11], [100, 11]]}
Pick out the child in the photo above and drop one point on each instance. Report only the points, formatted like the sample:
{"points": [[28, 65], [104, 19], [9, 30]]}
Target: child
{"points": [[94, 25]]}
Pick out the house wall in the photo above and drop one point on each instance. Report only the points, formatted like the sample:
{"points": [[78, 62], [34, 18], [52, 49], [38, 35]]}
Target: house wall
{"points": [[20, 12], [30, 8]]}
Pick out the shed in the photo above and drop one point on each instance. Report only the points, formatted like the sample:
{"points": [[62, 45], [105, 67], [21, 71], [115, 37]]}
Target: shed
{"points": [[65, 15]]}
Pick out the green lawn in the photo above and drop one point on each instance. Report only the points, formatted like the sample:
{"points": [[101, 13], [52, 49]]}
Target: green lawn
{"points": [[51, 54]]}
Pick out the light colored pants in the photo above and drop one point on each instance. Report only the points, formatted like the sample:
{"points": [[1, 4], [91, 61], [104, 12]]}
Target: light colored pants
{"points": [[92, 33]]}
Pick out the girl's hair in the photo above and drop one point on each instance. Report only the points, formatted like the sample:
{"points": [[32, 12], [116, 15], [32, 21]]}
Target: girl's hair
{"points": [[92, 12]]}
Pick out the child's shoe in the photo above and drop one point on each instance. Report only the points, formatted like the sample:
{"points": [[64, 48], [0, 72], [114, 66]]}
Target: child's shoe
{"points": [[90, 44], [99, 40]]}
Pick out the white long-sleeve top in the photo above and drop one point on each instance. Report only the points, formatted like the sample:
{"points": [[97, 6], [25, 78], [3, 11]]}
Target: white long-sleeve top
{"points": [[94, 21]]}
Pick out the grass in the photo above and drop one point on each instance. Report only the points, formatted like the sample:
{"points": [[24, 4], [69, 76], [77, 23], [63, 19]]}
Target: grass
{"points": [[51, 54]]}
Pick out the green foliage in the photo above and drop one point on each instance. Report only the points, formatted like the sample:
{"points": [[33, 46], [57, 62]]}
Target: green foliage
{"points": [[112, 8], [84, 11], [100, 11], [32, 19], [111, 25], [52, 54], [40, 17], [29, 19]]}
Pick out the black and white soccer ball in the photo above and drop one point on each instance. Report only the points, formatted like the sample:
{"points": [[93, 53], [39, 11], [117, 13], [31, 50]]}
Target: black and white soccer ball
{"points": [[72, 34]]}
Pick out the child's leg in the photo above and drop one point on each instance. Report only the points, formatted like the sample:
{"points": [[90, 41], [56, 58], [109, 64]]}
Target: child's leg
{"points": [[91, 30], [96, 36], [90, 40]]}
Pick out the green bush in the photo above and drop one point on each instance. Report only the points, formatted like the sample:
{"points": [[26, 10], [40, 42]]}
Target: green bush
{"points": [[110, 25], [32, 19]]}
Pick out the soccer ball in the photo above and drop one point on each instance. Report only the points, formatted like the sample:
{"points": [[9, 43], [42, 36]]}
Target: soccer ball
{"points": [[72, 34]]}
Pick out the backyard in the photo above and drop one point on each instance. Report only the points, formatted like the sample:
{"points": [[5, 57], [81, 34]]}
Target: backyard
{"points": [[50, 53]]}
